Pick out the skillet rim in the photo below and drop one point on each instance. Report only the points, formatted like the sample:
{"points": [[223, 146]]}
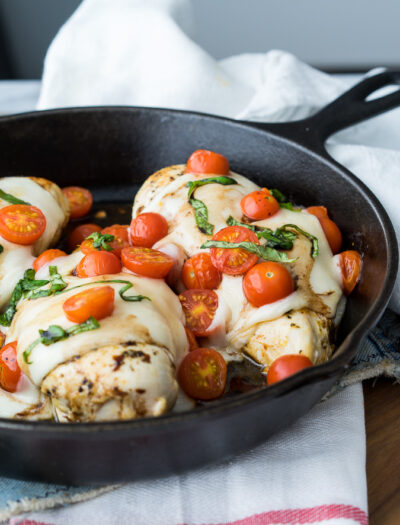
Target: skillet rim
{"points": [[336, 365]]}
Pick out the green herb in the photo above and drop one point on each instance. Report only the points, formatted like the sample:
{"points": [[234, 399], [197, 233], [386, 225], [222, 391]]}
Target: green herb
{"points": [[200, 209], [122, 291], [281, 198], [11, 199], [262, 251], [233, 222], [1, 249], [57, 284], [100, 241], [55, 333], [313, 239], [22, 288]]}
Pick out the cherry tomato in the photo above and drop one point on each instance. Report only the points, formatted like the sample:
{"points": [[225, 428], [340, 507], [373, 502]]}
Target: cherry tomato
{"points": [[148, 228], [98, 263], [147, 262], [266, 283], [205, 161], [22, 224], [193, 344], [202, 374], [234, 261], [10, 372], [199, 307], [285, 366], [95, 302], [350, 266], [331, 230], [121, 240], [80, 233], [259, 205], [80, 201], [199, 272], [46, 257]]}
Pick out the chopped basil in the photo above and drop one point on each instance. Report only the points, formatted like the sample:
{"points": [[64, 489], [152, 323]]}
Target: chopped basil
{"points": [[11, 199], [200, 209], [22, 288], [281, 198], [313, 239], [55, 333], [57, 284], [100, 241], [233, 222], [122, 291], [262, 251]]}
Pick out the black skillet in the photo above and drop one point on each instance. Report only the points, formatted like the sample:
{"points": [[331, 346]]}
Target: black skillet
{"points": [[112, 150]]}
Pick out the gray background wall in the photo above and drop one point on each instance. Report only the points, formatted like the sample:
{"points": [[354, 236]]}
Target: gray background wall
{"points": [[333, 34]]}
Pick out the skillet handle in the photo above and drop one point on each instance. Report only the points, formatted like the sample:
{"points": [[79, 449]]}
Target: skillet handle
{"points": [[347, 110]]}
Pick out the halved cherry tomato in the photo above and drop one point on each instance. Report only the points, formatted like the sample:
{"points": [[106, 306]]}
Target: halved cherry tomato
{"points": [[80, 233], [331, 230], [205, 161], [121, 240], [46, 257], [80, 200], [234, 261], [259, 205], [199, 272], [350, 266], [266, 283], [193, 344], [199, 307], [148, 228], [98, 263], [285, 366], [202, 374], [22, 224], [95, 302], [10, 371], [147, 262]]}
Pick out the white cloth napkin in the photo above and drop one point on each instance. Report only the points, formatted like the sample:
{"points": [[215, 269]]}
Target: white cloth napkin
{"points": [[138, 52]]}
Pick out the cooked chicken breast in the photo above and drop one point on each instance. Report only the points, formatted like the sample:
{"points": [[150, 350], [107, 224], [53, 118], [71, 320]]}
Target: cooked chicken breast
{"points": [[238, 325], [15, 258]]}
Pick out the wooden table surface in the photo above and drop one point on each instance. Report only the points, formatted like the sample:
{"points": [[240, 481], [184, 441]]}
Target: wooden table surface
{"points": [[382, 417]]}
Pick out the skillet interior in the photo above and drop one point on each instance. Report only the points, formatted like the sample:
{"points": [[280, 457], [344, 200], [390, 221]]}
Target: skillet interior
{"points": [[112, 151]]}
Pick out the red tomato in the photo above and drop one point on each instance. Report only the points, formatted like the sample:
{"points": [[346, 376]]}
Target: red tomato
{"points": [[234, 261], [95, 302], [80, 201], [331, 230], [10, 372], [98, 263], [148, 228], [259, 205], [193, 344], [350, 266], [80, 233], [199, 272], [46, 257], [22, 224], [199, 307], [202, 374], [121, 240], [205, 161], [266, 283], [286, 366], [147, 262]]}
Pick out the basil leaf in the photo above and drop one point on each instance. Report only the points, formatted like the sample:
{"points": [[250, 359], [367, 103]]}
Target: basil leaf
{"points": [[264, 252], [11, 199], [1, 249], [225, 181], [100, 241], [233, 222], [201, 216], [282, 240], [55, 333], [313, 239], [283, 202], [57, 284], [122, 291]]}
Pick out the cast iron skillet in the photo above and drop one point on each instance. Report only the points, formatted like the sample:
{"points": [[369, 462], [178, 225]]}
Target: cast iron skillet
{"points": [[112, 150]]}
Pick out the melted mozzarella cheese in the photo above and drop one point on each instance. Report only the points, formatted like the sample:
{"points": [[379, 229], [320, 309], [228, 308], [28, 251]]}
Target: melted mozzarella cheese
{"points": [[26, 396]]}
